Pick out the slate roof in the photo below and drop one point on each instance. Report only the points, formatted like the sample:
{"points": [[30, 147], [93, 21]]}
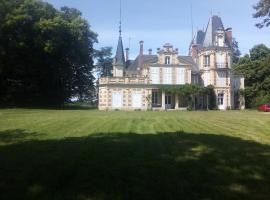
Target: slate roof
{"points": [[120, 55], [214, 24], [200, 37], [147, 59], [189, 60], [133, 65], [207, 38]]}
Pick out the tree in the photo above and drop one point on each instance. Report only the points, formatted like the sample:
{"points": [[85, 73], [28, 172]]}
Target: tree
{"points": [[259, 51], [46, 55], [104, 64], [235, 50], [262, 11], [256, 69]]}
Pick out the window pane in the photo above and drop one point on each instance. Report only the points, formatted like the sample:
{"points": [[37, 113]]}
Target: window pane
{"points": [[154, 75], [180, 76]]}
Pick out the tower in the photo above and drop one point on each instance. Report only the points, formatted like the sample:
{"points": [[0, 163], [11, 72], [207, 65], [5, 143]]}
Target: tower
{"points": [[212, 50], [119, 60]]}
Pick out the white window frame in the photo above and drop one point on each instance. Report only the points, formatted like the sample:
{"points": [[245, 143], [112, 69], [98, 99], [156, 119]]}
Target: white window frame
{"points": [[167, 60], [221, 78], [155, 97], [154, 75], [167, 75], [206, 60], [221, 60], [207, 78], [180, 78], [117, 99], [136, 99], [220, 99], [220, 40]]}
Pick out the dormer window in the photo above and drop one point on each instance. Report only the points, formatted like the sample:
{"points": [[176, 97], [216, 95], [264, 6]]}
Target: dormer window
{"points": [[220, 41], [167, 60]]}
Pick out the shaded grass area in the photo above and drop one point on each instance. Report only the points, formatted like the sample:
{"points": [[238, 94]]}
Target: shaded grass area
{"points": [[174, 165], [86, 154]]}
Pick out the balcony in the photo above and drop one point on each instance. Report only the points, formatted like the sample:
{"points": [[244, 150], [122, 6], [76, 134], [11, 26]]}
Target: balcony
{"points": [[222, 65], [124, 80]]}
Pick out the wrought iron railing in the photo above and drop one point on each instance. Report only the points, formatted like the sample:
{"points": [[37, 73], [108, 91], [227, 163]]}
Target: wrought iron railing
{"points": [[222, 65]]}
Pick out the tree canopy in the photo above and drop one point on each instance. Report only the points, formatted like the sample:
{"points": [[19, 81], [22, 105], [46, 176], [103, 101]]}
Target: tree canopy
{"points": [[104, 63], [256, 69], [46, 55], [236, 51], [262, 11]]}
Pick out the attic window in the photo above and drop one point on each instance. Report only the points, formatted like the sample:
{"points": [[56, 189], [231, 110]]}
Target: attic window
{"points": [[167, 60], [220, 41]]}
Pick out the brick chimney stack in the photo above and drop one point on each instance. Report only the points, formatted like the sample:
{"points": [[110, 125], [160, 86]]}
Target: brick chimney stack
{"points": [[194, 52], [229, 35], [141, 48], [127, 54], [141, 57]]}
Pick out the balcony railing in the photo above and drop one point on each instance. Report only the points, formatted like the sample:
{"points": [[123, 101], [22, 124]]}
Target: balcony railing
{"points": [[222, 65], [124, 80]]}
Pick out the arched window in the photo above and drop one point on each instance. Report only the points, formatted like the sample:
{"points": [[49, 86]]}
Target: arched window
{"points": [[167, 60]]}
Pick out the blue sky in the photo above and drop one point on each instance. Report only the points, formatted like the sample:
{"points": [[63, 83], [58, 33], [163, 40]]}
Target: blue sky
{"points": [[157, 22]]}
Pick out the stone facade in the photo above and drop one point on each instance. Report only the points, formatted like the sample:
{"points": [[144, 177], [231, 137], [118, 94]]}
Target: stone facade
{"points": [[136, 84]]}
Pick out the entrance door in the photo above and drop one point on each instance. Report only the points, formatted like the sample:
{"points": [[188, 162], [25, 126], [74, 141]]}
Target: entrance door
{"points": [[117, 99], [168, 101], [136, 99], [221, 105]]}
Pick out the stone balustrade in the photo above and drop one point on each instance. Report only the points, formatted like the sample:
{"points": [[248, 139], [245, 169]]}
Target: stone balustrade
{"points": [[124, 80]]}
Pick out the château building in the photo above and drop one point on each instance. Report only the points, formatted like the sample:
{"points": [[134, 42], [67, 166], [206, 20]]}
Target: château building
{"points": [[136, 84]]}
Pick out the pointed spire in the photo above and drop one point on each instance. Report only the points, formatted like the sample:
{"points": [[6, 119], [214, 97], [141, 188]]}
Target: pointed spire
{"points": [[120, 22], [208, 39], [192, 29], [214, 24], [120, 55]]}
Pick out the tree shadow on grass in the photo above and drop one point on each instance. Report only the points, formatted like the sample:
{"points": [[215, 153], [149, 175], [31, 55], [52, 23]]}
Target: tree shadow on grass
{"points": [[63, 107], [131, 166], [16, 135]]}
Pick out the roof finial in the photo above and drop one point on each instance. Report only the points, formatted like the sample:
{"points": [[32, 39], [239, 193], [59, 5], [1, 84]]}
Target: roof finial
{"points": [[191, 12], [120, 23]]}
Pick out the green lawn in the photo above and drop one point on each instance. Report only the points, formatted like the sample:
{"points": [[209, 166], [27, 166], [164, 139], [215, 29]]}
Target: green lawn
{"points": [[87, 154]]}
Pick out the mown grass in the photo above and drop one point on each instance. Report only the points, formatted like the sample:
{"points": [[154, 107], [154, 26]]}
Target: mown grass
{"points": [[87, 154]]}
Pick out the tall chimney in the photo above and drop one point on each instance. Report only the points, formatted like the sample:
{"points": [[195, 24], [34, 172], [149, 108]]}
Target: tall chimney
{"points": [[141, 57], [194, 51], [141, 48], [150, 51], [127, 54], [229, 35]]}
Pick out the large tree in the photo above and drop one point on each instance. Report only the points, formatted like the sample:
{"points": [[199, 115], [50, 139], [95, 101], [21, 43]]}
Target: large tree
{"points": [[259, 51], [46, 55], [235, 50], [256, 69], [263, 11], [104, 63]]}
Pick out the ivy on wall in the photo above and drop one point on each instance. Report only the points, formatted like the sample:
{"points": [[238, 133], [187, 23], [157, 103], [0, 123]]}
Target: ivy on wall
{"points": [[192, 92]]}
